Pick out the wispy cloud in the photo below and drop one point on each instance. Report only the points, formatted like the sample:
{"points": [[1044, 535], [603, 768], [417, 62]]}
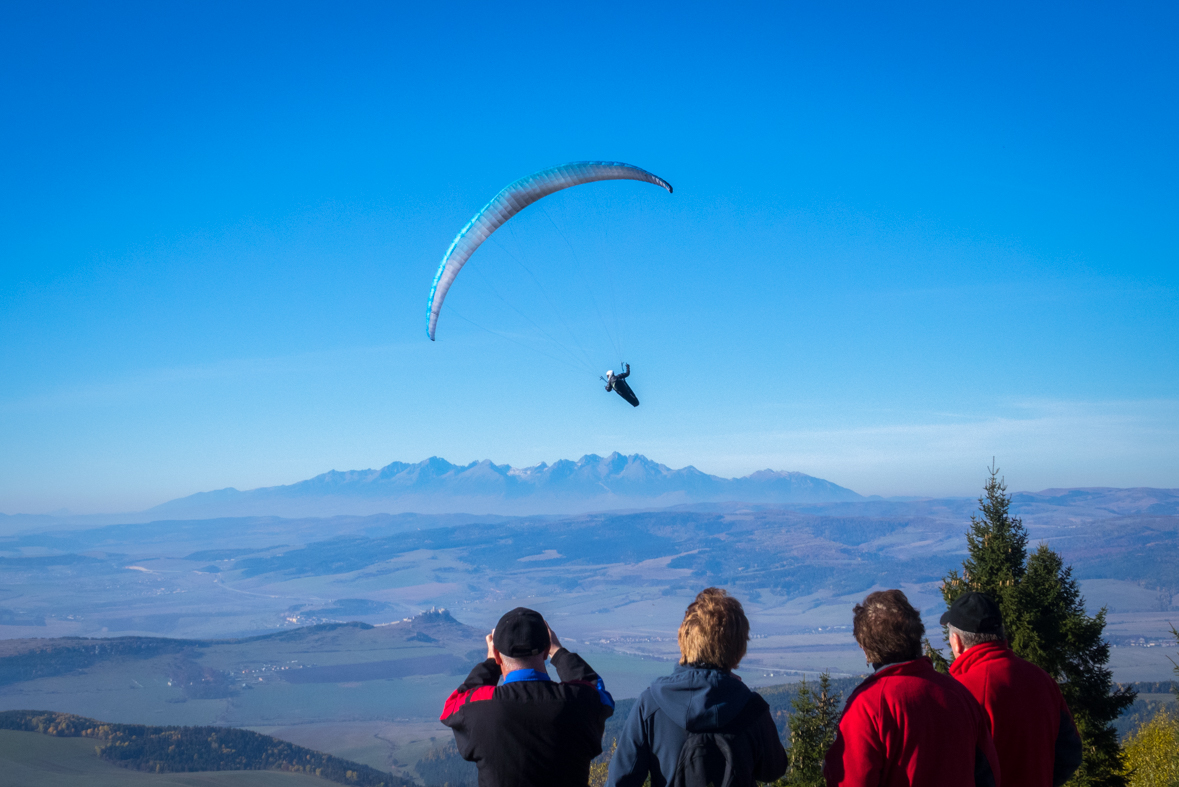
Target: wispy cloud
{"points": [[1041, 443]]}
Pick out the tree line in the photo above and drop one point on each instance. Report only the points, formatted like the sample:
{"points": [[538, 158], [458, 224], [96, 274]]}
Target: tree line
{"points": [[70, 654]]}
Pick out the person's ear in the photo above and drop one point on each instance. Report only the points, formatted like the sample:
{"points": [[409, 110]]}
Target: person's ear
{"points": [[956, 644]]}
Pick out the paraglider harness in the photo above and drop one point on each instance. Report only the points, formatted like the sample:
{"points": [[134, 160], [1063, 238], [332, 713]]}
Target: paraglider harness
{"points": [[617, 383]]}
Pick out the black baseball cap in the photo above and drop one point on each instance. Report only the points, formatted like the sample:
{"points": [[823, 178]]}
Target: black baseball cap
{"points": [[974, 613], [521, 633]]}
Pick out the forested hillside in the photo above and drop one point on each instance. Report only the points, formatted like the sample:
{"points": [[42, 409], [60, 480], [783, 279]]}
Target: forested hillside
{"points": [[188, 749]]}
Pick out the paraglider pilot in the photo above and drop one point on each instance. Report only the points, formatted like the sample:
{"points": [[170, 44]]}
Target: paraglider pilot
{"points": [[618, 384]]}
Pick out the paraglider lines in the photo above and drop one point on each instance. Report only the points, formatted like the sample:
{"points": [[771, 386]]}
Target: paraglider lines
{"points": [[545, 293], [585, 282], [502, 335], [586, 362]]}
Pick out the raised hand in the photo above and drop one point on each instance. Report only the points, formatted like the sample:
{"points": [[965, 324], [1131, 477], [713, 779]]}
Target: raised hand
{"points": [[554, 643]]}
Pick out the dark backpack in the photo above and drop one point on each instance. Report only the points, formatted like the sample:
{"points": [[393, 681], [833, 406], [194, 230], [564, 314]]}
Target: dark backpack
{"points": [[723, 757]]}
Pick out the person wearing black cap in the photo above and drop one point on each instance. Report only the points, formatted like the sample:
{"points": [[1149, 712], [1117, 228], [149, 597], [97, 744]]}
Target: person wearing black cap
{"points": [[1035, 737], [529, 730]]}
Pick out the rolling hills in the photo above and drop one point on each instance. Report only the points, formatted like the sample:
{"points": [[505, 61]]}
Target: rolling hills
{"points": [[309, 628], [152, 750], [30, 759], [284, 677]]}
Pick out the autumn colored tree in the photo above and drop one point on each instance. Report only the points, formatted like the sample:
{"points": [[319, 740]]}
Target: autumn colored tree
{"points": [[1152, 751]]}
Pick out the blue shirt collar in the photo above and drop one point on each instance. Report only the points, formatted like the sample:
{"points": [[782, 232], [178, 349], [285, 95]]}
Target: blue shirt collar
{"points": [[526, 674]]}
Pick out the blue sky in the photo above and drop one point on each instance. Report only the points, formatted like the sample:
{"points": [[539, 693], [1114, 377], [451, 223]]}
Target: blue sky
{"points": [[901, 241]]}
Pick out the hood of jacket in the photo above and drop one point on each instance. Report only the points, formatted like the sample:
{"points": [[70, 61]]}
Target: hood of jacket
{"points": [[699, 699]]}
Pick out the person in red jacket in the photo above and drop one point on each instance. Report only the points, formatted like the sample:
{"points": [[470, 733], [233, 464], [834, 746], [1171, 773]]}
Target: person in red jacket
{"points": [[907, 725], [1034, 733]]}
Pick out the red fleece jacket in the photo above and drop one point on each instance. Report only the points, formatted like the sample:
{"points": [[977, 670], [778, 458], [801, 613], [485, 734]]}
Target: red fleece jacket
{"points": [[1034, 734], [911, 726]]}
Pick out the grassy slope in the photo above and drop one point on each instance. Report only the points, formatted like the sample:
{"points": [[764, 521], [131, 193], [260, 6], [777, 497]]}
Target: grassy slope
{"points": [[29, 759]]}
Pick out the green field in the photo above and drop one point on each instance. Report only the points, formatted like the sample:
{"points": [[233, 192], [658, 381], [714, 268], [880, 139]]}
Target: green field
{"points": [[29, 759]]}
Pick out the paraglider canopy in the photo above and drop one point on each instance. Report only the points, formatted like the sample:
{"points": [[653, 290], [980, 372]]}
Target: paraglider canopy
{"points": [[510, 201]]}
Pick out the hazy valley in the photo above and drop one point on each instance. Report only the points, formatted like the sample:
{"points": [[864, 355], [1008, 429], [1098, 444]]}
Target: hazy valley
{"points": [[311, 628]]}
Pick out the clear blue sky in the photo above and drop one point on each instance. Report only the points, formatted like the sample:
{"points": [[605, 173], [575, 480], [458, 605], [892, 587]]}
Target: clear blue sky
{"points": [[901, 241]]}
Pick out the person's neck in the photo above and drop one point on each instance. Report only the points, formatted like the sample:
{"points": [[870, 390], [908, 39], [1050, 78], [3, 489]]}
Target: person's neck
{"points": [[533, 663]]}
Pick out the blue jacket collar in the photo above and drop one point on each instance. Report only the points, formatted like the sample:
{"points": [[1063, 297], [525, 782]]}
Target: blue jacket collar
{"points": [[526, 674]]}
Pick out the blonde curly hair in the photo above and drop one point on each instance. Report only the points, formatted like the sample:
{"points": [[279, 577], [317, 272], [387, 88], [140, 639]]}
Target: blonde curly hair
{"points": [[715, 631]]}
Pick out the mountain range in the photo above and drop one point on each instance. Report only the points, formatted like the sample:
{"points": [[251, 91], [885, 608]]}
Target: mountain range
{"points": [[434, 486]]}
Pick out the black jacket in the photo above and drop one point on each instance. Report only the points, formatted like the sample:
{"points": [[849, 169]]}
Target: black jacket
{"points": [[530, 730], [691, 699], [618, 384]]}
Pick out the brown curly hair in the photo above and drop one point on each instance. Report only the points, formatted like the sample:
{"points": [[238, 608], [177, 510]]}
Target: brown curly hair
{"points": [[715, 631], [888, 628]]}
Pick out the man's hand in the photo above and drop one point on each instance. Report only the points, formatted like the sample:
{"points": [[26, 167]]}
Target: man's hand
{"points": [[491, 644], [554, 643]]}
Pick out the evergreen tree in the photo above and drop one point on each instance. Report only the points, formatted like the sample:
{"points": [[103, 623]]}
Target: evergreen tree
{"points": [[940, 662], [997, 547], [1046, 622], [812, 731]]}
